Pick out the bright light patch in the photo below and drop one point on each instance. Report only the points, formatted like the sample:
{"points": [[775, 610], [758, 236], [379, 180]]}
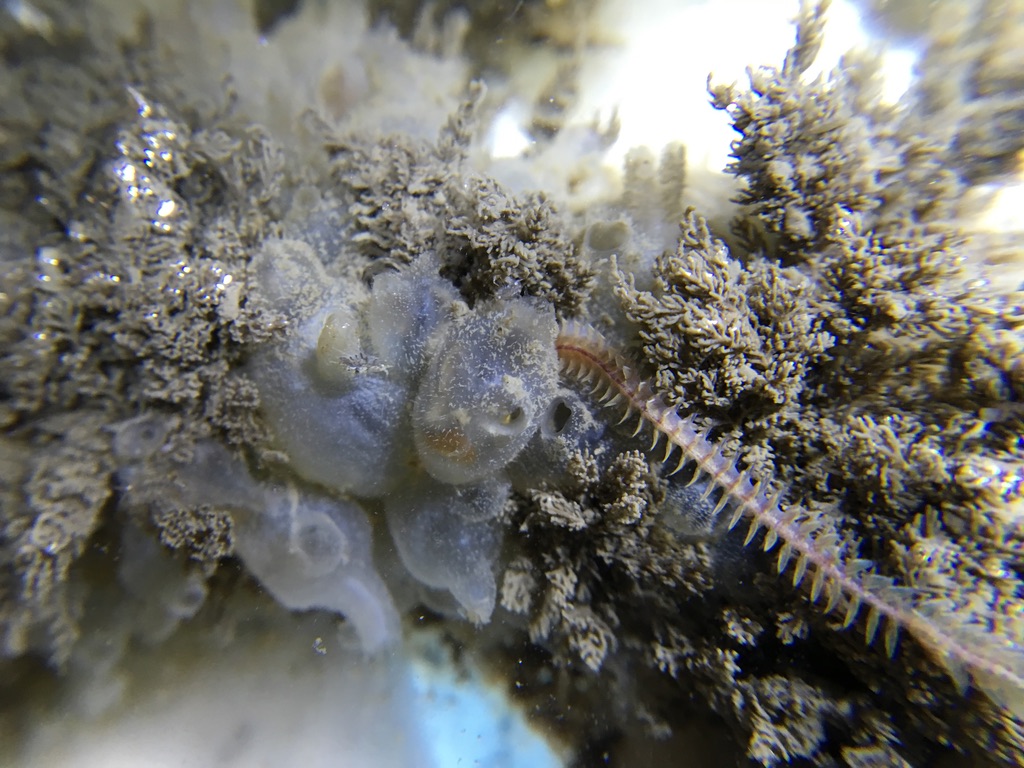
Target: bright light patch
{"points": [[658, 81], [1003, 213], [843, 31], [467, 723], [507, 138], [897, 73]]}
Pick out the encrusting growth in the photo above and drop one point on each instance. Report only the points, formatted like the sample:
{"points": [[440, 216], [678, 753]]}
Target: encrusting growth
{"points": [[969, 653]]}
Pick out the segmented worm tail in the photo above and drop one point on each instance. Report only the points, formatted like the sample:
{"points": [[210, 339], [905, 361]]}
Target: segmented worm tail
{"points": [[994, 663]]}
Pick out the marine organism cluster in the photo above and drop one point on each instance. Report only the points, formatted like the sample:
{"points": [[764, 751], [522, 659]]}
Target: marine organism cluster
{"points": [[298, 337], [410, 396]]}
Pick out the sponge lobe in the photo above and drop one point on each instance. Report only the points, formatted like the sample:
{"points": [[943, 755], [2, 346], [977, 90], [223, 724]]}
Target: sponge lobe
{"points": [[343, 440], [313, 552], [403, 313], [308, 551], [488, 382], [448, 537]]}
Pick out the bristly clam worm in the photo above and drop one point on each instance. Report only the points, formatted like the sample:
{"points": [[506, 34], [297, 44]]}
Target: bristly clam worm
{"points": [[967, 650]]}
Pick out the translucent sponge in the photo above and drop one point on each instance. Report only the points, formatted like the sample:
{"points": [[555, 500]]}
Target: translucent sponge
{"points": [[346, 440], [403, 312], [448, 537], [489, 380], [307, 551], [315, 553]]}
